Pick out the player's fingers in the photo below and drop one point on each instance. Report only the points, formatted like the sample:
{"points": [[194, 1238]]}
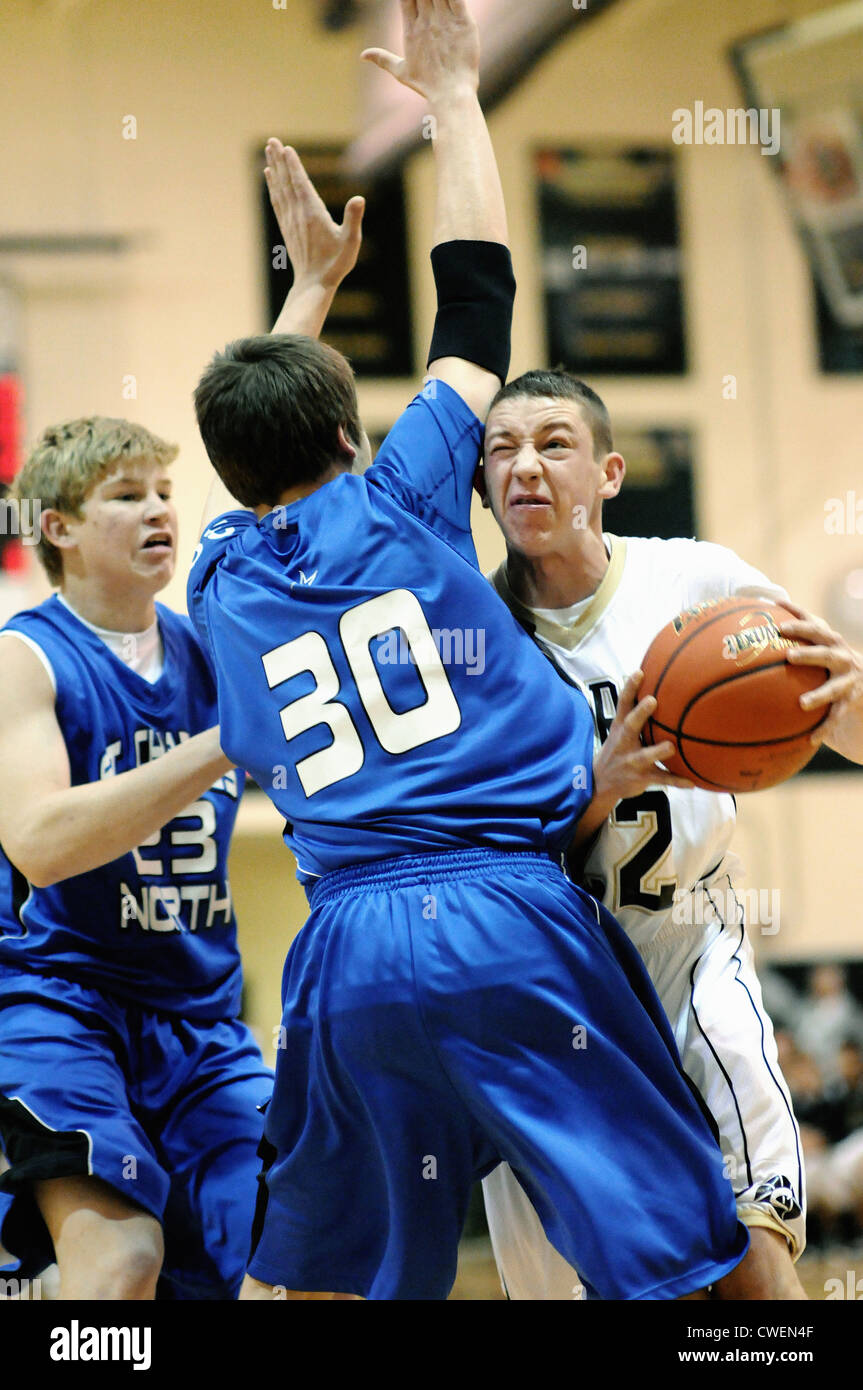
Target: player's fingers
{"points": [[829, 692], [657, 752], [382, 58], [635, 721], [275, 152], [831, 725], [626, 703], [809, 628], [278, 188], [796, 609], [828, 727], [280, 165], [301, 184], [830, 657], [670, 779], [802, 615], [302, 190], [353, 219], [823, 732]]}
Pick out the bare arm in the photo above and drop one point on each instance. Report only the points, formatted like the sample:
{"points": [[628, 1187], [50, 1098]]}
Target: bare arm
{"points": [[51, 830], [321, 253], [441, 62]]}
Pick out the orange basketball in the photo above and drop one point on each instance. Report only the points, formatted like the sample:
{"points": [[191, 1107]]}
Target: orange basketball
{"points": [[727, 698]]}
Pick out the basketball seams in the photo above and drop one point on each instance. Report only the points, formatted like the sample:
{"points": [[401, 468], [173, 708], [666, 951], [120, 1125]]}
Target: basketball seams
{"points": [[706, 783], [741, 743], [736, 743], [697, 629], [681, 668], [740, 604]]}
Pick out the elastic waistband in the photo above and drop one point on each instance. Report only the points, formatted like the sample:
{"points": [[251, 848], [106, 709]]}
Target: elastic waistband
{"points": [[412, 869]]}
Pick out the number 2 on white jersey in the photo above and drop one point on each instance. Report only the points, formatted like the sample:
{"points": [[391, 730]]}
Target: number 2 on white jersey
{"points": [[438, 715], [636, 882]]}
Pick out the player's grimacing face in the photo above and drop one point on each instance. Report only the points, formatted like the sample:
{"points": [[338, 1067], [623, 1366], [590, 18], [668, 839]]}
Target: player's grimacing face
{"points": [[541, 476], [128, 527]]}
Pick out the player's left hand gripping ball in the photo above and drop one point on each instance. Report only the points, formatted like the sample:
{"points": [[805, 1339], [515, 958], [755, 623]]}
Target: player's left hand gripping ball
{"points": [[843, 689]]}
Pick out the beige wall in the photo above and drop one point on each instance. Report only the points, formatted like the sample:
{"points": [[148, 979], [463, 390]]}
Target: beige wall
{"points": [[208, 80], [271, 908]]}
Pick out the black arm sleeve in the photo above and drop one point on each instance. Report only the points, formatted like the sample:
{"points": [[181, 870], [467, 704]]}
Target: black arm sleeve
{"points": [[475, 291]]}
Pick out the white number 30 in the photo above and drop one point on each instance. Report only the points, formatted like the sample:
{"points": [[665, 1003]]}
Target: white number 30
{"points": [[438, 715]]}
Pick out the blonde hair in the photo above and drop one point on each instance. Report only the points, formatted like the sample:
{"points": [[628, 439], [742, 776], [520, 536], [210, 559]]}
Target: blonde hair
{"points": [[69, 460]]}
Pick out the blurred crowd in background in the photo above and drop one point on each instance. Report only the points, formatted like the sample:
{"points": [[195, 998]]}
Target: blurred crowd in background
{"points": [[819, 1032]]}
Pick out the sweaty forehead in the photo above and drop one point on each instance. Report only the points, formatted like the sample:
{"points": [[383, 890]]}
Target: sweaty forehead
{"points": [[526, 414]]}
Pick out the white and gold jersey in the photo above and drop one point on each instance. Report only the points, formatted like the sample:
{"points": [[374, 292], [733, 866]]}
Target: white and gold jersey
{"points": [[662, 866], [655, 848]]}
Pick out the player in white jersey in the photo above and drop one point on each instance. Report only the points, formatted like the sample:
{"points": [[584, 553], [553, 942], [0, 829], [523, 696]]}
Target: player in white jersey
{"points": [[660, 862]]}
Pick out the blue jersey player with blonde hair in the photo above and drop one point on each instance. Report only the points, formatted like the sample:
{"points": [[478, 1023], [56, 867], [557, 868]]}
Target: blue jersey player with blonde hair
{"points": [[129, 1089], [127, 1085], [453, 999]]}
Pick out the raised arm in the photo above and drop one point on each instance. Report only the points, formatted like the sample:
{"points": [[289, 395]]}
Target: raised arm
{"points": [[51, 830], [322, 252], [470, 348]]}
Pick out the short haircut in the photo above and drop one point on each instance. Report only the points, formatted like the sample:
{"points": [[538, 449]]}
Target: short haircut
{"points": [[69, 460], [562, 385], [269, 411]]}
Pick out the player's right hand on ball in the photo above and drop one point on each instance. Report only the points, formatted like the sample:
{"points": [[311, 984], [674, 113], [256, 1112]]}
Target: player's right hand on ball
{"points": [[624, 767]]}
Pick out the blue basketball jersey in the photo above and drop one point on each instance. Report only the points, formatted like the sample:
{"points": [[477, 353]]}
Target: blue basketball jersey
{"points": [[369, 677], [156, 925]]}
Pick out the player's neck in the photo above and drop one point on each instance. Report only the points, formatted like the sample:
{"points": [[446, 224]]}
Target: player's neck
{"points": [[123, 612], [560, 578], [296, 494]]}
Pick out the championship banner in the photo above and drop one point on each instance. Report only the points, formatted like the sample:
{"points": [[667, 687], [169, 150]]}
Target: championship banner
{"points": [[614, 300], [370, 320], [809, 72]]}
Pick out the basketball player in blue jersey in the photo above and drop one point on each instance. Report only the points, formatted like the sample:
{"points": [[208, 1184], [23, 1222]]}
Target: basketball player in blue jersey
{"points": [[453, 999], [660, 861], [128, 1088], [127, 1085]]}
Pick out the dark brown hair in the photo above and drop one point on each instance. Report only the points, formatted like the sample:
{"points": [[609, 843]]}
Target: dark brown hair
{"points": [[560, 384], [269, 411]]}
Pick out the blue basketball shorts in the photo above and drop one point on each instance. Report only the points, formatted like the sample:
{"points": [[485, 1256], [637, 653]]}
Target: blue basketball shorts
{"points": [[442, 1013], [163, 1110]]}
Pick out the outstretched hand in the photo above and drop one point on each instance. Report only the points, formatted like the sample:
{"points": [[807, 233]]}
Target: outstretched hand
{"points": [[441, 43], [320, 251]]}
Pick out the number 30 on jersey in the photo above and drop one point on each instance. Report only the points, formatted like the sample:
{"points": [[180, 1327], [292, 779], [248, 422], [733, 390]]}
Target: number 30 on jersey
{"points": [[438, 715]]}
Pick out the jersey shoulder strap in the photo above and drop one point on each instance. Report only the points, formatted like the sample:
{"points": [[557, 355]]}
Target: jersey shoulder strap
{"points": [[526, 619]]}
